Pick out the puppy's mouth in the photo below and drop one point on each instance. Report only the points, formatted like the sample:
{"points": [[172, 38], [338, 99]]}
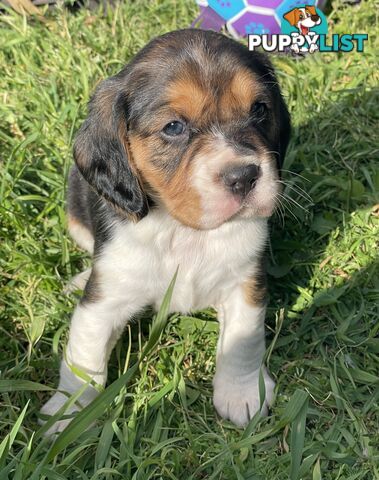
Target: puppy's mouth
{"points": [[304, 30]]}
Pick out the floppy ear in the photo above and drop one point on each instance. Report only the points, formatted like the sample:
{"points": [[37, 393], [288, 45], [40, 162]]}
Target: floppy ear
{"points": [[311, 9], [291, 16], [102, 152]]}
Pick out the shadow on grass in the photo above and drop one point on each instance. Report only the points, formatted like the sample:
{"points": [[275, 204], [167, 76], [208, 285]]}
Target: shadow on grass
{"points": [[324, 275], [332, 159]]}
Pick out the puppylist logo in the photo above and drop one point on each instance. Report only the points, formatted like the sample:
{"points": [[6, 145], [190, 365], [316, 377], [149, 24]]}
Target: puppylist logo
{"points": [[304, 29]]}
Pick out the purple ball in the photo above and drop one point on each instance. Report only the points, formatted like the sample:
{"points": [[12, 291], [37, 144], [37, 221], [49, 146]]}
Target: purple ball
{"points": [[264, 16], [252, 16]]}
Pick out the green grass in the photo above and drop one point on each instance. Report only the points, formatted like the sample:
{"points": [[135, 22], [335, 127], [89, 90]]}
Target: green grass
{"points": [[324, 294]]}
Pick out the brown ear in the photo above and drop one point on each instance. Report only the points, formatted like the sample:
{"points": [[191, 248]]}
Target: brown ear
{"points": [[311, 9], [291, 16]]}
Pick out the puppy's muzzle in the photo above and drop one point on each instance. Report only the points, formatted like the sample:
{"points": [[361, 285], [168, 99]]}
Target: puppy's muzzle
{"points": [[242, 179]]}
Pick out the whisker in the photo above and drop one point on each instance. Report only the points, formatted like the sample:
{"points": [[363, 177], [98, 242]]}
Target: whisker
{"points": [[286, 205], [280, 210], [296, 174], [300, 190], [273, 151], [302, 193], [292, 182], [290, 199], [296, 188]]}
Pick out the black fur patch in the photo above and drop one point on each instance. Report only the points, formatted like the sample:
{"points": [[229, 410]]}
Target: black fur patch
{"points": [[92, 289], [101, 153]]}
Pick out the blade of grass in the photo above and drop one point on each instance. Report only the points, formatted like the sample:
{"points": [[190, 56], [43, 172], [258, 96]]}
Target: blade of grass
{"points": [[22, 386], [297, 440], [7, 442]]}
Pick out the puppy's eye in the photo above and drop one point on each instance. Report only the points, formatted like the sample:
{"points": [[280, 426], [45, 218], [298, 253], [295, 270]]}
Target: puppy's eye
{"points": [[258, 110], [301, 17], [174, 129]]}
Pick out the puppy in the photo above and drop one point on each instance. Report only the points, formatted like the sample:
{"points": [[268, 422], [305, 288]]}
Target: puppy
{"points": [[177, 164], [303, 19]]}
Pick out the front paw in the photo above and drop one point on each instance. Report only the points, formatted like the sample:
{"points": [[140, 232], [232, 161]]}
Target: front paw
{"points": [[73, 386], [236, 398], [52, 407]]}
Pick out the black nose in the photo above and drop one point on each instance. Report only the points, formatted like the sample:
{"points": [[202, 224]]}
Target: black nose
{"points": [[315, 18], [240, 180]]}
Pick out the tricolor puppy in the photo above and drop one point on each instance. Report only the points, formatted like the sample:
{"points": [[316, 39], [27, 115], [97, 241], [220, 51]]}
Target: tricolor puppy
{"points": [[178, 164]]}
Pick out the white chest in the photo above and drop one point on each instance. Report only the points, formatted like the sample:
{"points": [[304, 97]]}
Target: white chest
{"points": [[141, 259]]}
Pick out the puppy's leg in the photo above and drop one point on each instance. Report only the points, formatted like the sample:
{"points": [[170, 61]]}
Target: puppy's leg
{"points": [[96, 325], [240, 352]]}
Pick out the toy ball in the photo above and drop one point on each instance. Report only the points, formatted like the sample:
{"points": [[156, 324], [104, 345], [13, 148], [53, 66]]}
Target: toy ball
{"points": [[244, 17]]}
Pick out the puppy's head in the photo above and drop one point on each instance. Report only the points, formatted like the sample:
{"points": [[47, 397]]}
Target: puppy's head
{"points": [[197, 123]]}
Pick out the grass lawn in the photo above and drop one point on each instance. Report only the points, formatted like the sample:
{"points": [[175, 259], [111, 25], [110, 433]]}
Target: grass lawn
{"points": [[322, 321]]}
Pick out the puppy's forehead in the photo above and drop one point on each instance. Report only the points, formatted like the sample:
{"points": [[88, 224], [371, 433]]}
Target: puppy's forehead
{"points": [[198, 74], [202, 94]]}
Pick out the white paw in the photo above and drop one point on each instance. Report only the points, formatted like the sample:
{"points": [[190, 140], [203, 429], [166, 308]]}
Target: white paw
{"points": [[236, 398], [52, 407], [71, 384]]}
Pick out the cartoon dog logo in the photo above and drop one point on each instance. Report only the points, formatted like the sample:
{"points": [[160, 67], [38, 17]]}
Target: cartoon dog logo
{"points": [[303, 19]]}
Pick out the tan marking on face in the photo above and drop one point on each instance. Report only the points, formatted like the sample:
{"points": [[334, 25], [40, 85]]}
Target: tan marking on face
{"points": [[177, 193], [240, 94], [189, 99], [195, 193]]}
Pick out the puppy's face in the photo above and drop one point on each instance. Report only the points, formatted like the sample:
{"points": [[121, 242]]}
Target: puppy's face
{"points": [[196, 122]]}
